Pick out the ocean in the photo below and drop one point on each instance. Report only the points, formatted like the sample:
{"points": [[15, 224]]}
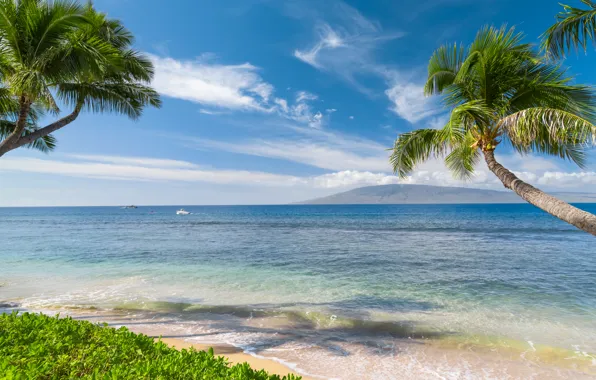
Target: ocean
{"points": [[347, 292]]}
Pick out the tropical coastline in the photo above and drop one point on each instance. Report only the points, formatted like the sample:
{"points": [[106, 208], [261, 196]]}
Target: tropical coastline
{"points": [[339, 309], [426, 226]]}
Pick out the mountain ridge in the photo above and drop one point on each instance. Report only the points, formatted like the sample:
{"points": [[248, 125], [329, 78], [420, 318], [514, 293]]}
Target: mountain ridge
{"points": [[427, 194]]}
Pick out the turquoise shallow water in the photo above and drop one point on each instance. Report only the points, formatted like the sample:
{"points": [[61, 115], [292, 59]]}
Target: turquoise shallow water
{"points": [[483, 274]]}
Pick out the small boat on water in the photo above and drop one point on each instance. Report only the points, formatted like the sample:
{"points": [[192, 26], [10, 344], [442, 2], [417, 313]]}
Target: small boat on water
{"points": [[182, 212], [131, 206]]}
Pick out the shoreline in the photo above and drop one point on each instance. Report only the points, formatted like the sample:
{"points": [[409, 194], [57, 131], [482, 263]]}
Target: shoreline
{"points": [[410, 357], [236, 355]]}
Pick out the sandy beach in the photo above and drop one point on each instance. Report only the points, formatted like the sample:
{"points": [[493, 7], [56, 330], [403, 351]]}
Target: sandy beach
{"points": [[235, 355]]}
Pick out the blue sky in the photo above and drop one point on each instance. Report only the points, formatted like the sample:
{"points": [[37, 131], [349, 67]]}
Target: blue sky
{"points": [[274, 101]]}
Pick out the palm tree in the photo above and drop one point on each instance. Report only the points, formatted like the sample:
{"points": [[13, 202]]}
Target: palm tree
{"points": [[59, 51], [501, 93], [574, 28]]}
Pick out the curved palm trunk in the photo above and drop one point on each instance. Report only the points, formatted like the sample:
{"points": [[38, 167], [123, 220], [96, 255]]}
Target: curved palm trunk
{"points": [[562, 210], [10, 141], [30, 138], [40, 133]]}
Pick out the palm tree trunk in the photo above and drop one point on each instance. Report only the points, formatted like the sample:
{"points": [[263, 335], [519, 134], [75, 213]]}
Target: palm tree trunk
{"points": [[11, 140], [28, 139], [556, 207], [63, 122]]}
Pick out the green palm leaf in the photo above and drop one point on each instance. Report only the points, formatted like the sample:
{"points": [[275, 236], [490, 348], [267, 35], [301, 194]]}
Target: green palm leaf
{"points": [[574, 29], [443, 68], [463, 158], [117, 97], [413, 148], [59, 49], [525, 126], [499, 90]]}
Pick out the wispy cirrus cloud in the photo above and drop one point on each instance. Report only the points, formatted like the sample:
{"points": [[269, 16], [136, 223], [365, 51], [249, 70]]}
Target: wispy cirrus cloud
{"points": [[112, 168], [329, 39], [307, 152], [136, 161], [141, 169], [321, 148], [347, 48]]}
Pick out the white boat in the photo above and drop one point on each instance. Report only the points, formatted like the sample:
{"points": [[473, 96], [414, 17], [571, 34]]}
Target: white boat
{"points": [[182, 212]]}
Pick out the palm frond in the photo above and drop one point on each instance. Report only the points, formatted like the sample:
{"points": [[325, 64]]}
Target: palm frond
{"points": [[109, 30], [90, 57], [137, 66], [553, 125], [472, 113], [50, 23], [118, 97], [413, 148], [574, 29], [443, 68], [8, 27], [548, 85], [463, 158], [495, 41], [570, 149]]}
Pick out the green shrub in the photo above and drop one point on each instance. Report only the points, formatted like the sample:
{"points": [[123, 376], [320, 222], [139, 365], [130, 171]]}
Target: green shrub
{"points": [[35, 346]]}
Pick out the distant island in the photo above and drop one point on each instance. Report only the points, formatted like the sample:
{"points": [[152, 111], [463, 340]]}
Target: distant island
{"points": [[424, 194]]}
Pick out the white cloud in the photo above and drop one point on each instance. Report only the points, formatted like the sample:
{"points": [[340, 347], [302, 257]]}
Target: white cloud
{"points": [[226, 86], [210, 112], [302, 111], [408, 101], [438, 122], [316, 120], [229, 87], [302, 96], [345, 50], [331, 157], [573, 180], [282, 104], [147, 169], [137, 161], [353, 178], [328, 40], [348, 50], [127, 168], [126, 180], [530, 163]]}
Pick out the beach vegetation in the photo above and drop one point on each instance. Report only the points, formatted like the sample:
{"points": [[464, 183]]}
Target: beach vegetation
{"points": [[37, 346], [501, 92], [61, 58]]}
